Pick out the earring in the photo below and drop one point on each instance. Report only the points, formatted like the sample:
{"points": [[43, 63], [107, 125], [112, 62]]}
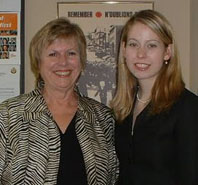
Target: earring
{"points": [[166, 62]]}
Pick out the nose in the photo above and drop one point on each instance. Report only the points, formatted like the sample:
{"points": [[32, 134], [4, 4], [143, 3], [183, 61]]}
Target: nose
{"points": [[141, 52], [63, 59]]}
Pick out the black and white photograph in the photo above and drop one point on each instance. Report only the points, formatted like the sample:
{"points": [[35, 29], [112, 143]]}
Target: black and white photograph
{"points": [[102, 31]]}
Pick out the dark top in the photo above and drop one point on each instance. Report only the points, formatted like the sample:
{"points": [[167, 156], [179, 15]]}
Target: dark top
{"points": [[72, 168], [163, 149]]}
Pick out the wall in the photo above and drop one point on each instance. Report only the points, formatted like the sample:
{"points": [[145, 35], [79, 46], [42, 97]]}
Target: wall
{"points": [[194, 46], [38, 12]]}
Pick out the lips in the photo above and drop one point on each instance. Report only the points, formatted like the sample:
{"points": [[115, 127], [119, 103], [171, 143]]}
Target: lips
{"points": [[142, 66], [63, 73]]}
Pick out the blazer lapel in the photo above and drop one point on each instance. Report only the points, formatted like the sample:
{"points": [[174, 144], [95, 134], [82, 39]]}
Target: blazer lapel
{"points": [[93, 144], [43, 144], [83, 134]]}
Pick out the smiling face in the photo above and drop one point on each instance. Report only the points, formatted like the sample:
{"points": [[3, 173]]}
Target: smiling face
{"points": [[60, 64], [145, 52]]}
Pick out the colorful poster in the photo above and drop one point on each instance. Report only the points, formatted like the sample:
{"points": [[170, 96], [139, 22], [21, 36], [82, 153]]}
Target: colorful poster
{"points": [[9, 55], [9, 38], [102, 23]]}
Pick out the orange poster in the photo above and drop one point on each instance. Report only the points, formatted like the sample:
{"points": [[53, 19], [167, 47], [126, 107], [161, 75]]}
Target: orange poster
{"points": [[8, 24]]}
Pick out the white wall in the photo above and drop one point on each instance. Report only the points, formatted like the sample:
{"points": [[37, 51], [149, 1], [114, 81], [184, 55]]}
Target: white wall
{"points": [[38, 12]]}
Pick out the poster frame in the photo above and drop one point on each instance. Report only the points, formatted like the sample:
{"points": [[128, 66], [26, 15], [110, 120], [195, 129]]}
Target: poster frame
{"points": [[22, 46]]}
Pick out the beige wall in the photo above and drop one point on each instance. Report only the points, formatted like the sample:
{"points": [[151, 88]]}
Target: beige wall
{"points": [[38, 12], [194, 47]]}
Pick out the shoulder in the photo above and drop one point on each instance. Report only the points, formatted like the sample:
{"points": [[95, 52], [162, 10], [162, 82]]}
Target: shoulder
{"points": [[11, 109], [93, 108], [13, 102], [16, 103], [94, 105], [188, 98], [186, 107]]}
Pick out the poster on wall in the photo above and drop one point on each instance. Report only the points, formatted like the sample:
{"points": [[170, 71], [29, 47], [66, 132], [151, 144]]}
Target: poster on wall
{"points": [[10, 54], [9, 38], [102, 23]]}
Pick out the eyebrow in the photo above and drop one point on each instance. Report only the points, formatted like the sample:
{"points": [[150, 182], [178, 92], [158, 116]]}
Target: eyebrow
{"points": [[146, 40], [151, 40]]}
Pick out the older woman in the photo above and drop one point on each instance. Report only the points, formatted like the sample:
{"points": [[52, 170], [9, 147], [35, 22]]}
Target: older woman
{"points": [[53, 135]]}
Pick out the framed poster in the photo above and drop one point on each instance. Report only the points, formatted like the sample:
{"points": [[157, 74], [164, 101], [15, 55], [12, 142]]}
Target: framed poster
{"points": [[11, 48], [102, 23], [10, 38]]}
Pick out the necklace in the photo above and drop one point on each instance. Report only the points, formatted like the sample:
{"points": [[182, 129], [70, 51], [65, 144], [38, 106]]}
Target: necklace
{"points": [[142, 101]]}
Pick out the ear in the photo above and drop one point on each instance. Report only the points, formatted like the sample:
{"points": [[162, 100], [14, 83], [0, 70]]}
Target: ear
{"points": [[168, 52]]}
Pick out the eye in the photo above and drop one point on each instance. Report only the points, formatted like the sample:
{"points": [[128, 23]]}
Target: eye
{"points": [[133, 44], [72, 53], [152, 44], [53, 54]]}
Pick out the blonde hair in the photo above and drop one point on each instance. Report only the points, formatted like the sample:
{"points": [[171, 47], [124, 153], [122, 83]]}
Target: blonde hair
{"points": [[168, 85], [57, 28]]}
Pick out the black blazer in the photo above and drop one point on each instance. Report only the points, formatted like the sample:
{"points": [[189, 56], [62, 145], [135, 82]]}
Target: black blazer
{"points": [[163, 149]]}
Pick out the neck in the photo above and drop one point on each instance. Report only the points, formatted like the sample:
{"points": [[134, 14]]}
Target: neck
{"points": [[143, 101], [59, 97], [144, 93], [145, 88]]}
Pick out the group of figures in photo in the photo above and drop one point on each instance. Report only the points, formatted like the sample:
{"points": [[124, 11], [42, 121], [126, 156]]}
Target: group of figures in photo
{"points": [[7, 46], [98, 80]]}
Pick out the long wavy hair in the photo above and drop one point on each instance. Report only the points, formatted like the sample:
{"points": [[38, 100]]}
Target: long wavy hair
{"points": [[169, 83]]}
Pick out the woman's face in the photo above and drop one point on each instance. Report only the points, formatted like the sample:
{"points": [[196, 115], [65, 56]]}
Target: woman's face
{"points": [[60, 64], [4, 41], [5, 48], [145, 52]]}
